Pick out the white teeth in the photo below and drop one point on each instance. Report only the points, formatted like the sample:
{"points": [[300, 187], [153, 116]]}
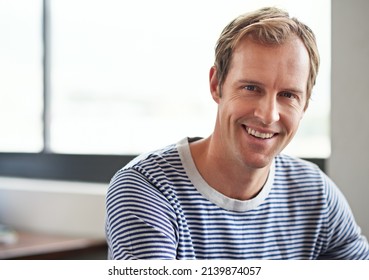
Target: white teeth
{"points": [[259, 134]]}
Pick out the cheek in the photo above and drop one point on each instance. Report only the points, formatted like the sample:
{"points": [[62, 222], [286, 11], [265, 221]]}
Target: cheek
{"points": [[292, 108], [229, 107], [291, 120]]}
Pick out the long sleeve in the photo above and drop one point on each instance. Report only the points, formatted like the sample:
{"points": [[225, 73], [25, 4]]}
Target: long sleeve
{"points": [[345, 240], [140, 221]]}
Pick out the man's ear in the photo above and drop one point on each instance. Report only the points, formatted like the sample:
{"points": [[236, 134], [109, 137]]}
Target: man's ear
{"points": [[214, 86]]}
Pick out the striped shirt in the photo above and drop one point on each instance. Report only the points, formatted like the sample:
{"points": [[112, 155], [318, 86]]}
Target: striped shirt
{"points": [[159, 207]]}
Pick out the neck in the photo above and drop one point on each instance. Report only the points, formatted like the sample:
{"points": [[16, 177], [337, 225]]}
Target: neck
{"points": [[226, 175]]}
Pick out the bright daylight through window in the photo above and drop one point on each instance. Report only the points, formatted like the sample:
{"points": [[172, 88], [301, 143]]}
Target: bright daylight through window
{"points": [[131, 76], [21, 76]]}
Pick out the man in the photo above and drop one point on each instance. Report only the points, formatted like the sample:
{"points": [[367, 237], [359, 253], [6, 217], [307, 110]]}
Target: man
{"points": [[233, 195]]}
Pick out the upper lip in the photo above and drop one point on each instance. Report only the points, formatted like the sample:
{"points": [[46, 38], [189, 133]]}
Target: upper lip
{"points": [[260, 130], [261, 134]]}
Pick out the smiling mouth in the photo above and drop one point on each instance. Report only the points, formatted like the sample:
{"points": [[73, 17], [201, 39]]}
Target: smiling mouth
{"points": [[258, 134]]}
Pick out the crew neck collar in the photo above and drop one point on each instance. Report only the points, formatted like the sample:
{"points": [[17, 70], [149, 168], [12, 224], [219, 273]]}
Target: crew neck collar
{"points": [[213, 195]]}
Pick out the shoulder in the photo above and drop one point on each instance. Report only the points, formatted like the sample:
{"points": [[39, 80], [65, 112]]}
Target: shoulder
{"points": [[148, 173], [306, 176], [298, 176], [295, 169], [292, 164], [157, 156], [140, 185], [154, 164]]}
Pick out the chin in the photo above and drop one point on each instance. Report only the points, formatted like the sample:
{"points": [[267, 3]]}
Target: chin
{"points": [[259, 162]]}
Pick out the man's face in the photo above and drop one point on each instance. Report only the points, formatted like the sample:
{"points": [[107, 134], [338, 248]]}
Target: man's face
{"points": [[262, 100]]}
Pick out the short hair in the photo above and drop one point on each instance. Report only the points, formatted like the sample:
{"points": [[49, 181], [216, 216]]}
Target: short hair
{"points": [[271, 26]]}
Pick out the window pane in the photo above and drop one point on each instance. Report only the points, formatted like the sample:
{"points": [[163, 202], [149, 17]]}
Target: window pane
{"points": [[21, 76], [131, 76]]}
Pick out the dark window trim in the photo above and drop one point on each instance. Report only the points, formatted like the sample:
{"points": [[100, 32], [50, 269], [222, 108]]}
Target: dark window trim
{"points": [[69, 167], [72, 167]]}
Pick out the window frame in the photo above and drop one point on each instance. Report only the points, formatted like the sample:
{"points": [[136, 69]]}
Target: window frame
{"points": [[73, 167]]}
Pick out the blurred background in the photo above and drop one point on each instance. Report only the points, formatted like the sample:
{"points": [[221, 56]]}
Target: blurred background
{"points": [[125, 77]]}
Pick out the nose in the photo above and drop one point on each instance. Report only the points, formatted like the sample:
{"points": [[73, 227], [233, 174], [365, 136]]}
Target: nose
{"points": [[267, 110]]}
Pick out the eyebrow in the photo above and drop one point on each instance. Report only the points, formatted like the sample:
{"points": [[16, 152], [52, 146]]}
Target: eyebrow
{"points": [[252, 82]]}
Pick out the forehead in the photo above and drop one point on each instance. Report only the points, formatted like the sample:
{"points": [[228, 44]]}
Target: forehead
{"points": [[286, 61]]}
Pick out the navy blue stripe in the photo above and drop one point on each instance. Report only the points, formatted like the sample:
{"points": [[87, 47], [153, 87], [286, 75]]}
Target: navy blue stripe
{"points": [[154, 212]]}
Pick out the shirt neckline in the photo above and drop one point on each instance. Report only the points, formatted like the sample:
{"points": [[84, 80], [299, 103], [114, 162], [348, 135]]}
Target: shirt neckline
{"points": [[213, 195]]}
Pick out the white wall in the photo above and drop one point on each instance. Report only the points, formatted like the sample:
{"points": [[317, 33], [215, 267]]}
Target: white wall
{"points": [[349, 163], [55, 207]]}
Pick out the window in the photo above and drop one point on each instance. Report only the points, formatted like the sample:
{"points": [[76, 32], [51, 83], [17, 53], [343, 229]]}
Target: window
{"points": [[126, 77], [131, 76], [21, 76]]}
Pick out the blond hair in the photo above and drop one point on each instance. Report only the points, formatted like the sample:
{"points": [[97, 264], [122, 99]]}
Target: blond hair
{"points": [[266, 26]]}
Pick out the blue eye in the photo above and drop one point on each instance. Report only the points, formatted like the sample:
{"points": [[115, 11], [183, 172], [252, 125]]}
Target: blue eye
{"points": [[250, 88], [287, 94]]}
